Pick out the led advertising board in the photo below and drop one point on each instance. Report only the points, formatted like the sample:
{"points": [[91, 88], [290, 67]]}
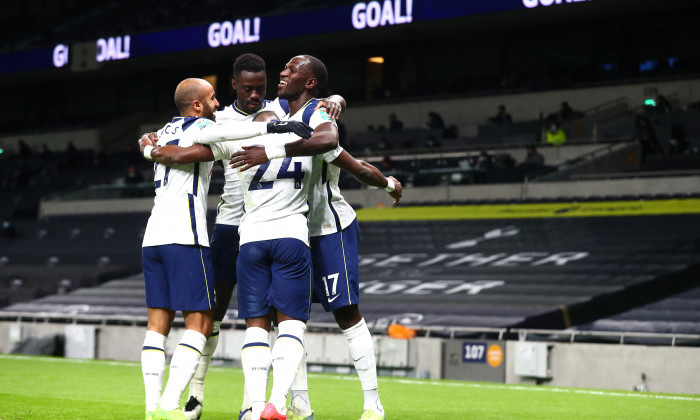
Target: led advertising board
{"points": [[357, 17]]}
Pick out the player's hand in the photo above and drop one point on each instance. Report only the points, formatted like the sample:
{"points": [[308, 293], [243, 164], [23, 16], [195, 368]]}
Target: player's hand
{"points": [[248, 157], [299, 128], [398, 189], [333, 108], [147, 139]]}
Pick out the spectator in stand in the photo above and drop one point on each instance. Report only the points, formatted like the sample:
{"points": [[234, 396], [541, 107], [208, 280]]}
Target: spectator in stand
{"points": [[100, 157], [22, 175], [435, 121], [678, 145], [132, 179], [45, 155], [502, 117], [383, 144], [484, 162], [71, 156], [387, 164], [533, 156], [133, 176], [646, 136], [24, 150], [565, 111], [394, 123], [555, 135], [663, 106], [482, 165], [48, 163]]}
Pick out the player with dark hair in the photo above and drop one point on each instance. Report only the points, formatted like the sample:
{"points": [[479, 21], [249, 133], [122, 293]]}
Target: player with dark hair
{"points": [[334, 237], [250, 82], [176, 263]]}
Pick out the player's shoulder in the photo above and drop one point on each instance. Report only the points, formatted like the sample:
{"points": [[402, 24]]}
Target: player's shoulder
{"points": [[230, 113], [277, 105], [316, 117]]}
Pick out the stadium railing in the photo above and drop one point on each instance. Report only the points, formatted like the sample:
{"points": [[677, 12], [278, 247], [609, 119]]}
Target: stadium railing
{"points": [[521, 334]]}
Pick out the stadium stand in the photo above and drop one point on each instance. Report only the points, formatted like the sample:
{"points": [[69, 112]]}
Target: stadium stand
{"points": [[510, 273]]}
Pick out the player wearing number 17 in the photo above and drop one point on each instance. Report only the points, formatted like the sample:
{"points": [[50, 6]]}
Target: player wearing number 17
{"points": [[176, 262], [274, 263]]}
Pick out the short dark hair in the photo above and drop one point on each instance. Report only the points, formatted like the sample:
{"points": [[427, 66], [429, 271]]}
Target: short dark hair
{"points": [[319, 72], [248, 62]]}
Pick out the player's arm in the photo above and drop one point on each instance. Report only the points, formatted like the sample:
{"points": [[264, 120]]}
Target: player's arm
{"points": [[334, 104], [172, 155], [323, 139], [240, 130], [369, 175]]}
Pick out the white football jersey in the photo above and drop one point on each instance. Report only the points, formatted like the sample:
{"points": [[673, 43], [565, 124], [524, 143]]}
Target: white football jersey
{"points": [[275, 193], [328, 210], [230, 208], [180, 209]]}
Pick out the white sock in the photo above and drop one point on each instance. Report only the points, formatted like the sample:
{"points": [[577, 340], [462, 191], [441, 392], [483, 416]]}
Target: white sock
{"points": [[182, 367], [197, 382], [246, 398], [299, 393], [286, 356], [362, 352], [153, 367], [255, 358]]}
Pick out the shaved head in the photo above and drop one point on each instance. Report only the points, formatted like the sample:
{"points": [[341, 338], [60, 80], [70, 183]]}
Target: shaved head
{"points": [[196, 97], [188, 91]]}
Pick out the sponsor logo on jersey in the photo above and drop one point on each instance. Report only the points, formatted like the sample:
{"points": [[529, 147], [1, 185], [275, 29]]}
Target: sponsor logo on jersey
{"points": [[201, 123], [325, 116]]}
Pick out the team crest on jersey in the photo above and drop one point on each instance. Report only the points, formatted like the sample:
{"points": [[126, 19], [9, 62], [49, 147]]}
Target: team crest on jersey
{"points": [[325, 116], [202, 122]]}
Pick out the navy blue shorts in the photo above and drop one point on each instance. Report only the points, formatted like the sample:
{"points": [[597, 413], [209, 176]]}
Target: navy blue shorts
{"points": [[179, 277], [275, 273], [336, 268], [224, 253]]}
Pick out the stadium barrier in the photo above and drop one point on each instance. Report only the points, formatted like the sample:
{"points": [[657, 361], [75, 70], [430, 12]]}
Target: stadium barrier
{"points": [[513, 356]]}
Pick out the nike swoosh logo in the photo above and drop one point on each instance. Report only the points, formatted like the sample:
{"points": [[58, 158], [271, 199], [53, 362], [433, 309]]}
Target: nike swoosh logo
{"points": [[355, 360], [334, 298]]}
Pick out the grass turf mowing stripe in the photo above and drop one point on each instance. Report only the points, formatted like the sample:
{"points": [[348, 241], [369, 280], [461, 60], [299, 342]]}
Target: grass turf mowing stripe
{"points": [[56, 388]]}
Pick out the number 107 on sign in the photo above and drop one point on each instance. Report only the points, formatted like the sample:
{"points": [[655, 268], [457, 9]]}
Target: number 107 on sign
{"points": [[474, 352]]}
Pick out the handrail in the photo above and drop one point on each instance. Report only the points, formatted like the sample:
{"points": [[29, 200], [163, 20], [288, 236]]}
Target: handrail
{"points": [[606, 104], [426, 331], [589, 156], [620, 175], [523, 333]]}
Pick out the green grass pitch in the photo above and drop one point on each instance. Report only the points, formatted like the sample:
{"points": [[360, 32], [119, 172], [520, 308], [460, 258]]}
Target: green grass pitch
{"points": [[57, 388]]}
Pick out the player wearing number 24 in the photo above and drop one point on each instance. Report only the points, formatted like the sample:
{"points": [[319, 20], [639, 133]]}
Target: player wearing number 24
{"points": [[176, 261]]}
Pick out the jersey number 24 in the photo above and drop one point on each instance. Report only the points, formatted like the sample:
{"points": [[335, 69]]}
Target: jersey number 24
{"points": [[284, 173]]}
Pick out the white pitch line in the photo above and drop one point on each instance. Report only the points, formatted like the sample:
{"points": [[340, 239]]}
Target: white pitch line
{"points": [[65, 360], [399, 380], [505, 387]]}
